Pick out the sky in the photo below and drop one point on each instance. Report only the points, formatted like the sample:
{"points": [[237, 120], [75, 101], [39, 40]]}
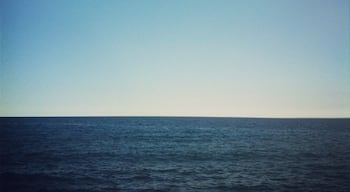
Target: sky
{"points": [[235, 58]]}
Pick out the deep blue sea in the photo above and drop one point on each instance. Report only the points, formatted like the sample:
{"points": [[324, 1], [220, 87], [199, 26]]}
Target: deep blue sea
{"points": [[174, 154]]}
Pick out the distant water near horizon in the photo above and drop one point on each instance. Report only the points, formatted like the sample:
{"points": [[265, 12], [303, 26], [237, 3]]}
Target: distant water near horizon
{"points": [[97, 154]]}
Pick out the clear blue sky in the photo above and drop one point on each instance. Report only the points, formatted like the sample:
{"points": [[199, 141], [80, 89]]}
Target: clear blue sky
{"points": [[265, 58]]}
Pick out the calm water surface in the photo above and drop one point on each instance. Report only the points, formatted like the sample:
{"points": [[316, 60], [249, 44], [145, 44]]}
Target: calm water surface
{"points": [[174, 154]]}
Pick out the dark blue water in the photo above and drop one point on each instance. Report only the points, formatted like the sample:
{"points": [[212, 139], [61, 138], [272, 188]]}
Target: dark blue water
{"points": [[174, 154]]}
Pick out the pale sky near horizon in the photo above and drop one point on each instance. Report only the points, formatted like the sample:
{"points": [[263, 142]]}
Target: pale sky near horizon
{"points": [[257, 58]]}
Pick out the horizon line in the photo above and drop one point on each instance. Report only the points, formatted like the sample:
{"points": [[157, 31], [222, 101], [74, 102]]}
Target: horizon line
{"points": [[174, 116]]}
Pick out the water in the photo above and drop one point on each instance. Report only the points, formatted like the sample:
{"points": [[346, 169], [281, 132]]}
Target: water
{"points": [[174, 154]]}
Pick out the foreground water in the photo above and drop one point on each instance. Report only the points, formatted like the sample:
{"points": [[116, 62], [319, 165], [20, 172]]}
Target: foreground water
{"points": [[174, 154]]}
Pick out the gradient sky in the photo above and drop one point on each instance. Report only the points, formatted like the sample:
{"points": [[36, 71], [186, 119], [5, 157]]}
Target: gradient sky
{"points": [[263, 58]]}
